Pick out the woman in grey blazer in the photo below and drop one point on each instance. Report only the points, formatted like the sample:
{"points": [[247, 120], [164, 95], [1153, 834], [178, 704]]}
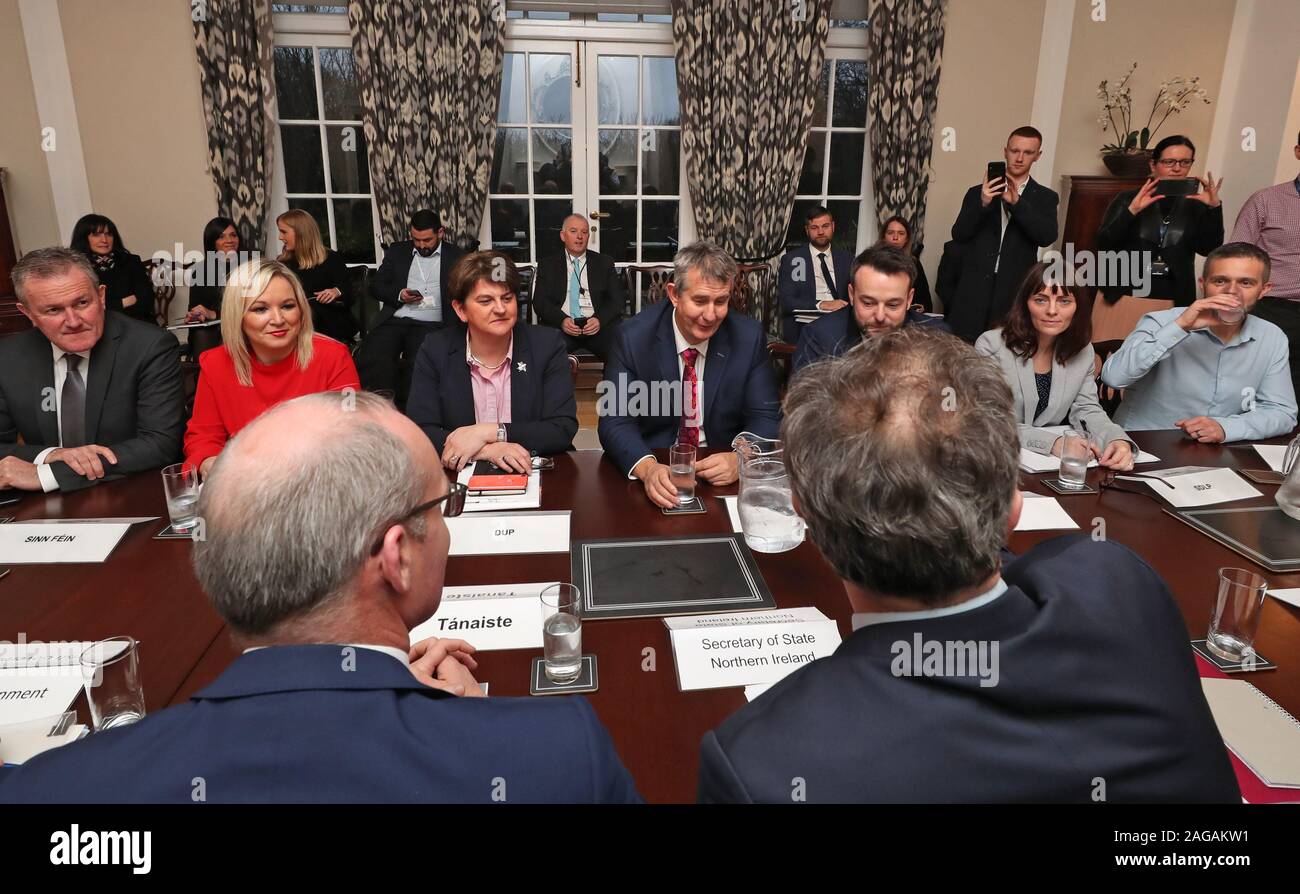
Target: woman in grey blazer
{"points": [[1045, 351]]}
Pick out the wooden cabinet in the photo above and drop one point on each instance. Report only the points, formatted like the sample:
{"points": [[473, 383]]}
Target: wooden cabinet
{"points": [[11, 319], [1087, 198]]}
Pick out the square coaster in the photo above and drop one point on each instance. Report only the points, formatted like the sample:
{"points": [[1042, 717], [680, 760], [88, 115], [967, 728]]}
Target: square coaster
{"points": [[1260, 663], [1054, 484], [587, 680], [694, 507], [170, 533]]}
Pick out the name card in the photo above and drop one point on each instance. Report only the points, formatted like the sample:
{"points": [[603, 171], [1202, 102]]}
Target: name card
{"points": [[744, 648], [1196, 485], [33, 544], [497, 533], [25, 696], [506, 616]]}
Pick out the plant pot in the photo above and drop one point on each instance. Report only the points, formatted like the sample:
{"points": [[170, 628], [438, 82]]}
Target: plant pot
{"points": [[1128, 164]]}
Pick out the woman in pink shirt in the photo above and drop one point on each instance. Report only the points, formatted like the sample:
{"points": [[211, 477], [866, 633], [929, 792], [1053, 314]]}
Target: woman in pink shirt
{"points": [[492, 388], [270, 354]]}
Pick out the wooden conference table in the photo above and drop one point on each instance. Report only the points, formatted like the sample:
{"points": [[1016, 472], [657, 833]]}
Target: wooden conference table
{"points": [[147, 589]]}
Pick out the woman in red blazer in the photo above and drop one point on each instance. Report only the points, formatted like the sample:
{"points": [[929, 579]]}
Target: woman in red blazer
{"points": [[270, 354]]}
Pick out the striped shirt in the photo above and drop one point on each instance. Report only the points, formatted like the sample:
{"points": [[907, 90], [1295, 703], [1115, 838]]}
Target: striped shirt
{"points": [[1270, 219]]}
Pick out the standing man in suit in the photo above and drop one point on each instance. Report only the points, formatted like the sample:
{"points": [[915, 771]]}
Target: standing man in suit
{"points": [[321, 567], [713, 364], [92, 394], [1001, 682], [578, 284], [1002, 224], [411, 284], [813, 277]]}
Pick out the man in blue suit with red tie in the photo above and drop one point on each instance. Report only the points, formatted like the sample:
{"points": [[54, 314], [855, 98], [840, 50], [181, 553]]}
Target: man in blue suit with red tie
{"points": [[321, 566], [687, 371]]}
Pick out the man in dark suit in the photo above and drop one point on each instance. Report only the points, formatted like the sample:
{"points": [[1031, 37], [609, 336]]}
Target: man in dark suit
{"points": [[1002, 224], [92, 393], [330, 702], [812, 277], [881, 290], [963, 680], [687, 371], [411, 284], [578, 284]]}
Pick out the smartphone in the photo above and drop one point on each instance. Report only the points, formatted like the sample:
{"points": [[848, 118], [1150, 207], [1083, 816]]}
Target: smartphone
{"points": [[1183, 186], [580, 322], [996, 169]]}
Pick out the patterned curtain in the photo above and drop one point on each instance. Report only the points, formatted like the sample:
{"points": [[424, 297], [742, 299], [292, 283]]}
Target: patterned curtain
{"points": [[902, 92], [430, 75], [234, 44], [746, 72]]}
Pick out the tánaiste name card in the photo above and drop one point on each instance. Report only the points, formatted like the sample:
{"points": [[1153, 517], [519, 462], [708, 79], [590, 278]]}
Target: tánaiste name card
{"points": [[504, 616], [743, 648], [496, 533], [36, 544]]}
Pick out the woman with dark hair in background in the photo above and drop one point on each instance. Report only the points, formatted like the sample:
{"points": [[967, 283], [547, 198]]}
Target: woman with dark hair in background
{"points": [[127, 287], [1045, 350], [1166, 232], [220, 238], [322, 272], [898, 232]]}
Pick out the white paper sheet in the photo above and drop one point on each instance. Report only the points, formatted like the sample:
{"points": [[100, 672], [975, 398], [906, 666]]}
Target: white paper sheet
{"points": [[22, 543], [733, 512], [1037, 462], [1196, 485], [1043, 514], [532, 499], [1273, 454], [1290, 596]]}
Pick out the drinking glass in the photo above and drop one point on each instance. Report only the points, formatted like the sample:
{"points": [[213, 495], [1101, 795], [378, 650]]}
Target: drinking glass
{"points": [[181, 485], [1075, 455], [562, 632], [681, 466], [1236, 613], [112, 669]]}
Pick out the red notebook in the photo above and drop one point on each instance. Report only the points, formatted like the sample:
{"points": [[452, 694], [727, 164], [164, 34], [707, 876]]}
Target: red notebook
{"points": [[488, 478]]}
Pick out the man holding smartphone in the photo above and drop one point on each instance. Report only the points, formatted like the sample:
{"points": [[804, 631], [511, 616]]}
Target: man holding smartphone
{"points": [[1003, 223]]}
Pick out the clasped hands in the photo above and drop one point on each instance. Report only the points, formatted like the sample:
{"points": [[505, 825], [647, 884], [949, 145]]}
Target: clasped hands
{"points": [[590, 326], [1118, 454], [479, 441], [87, 461], [446, 664]]}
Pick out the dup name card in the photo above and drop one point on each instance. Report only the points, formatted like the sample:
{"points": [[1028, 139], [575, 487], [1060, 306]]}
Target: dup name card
{"points": [[489, 618], [745, 648], [496, 533], [1196, 486], [38, 544]]}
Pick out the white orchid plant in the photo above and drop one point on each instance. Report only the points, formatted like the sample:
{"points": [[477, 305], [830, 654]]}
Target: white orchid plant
{"points": [[1173, 96]]}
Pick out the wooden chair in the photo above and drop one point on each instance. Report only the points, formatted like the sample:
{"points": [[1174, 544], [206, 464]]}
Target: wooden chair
{"points": [[573, 368], [782, 357], [163, 275], [1108, 397], [656, 280]]}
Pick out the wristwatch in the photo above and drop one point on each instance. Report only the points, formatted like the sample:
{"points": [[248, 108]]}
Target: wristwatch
{"points": [[501, 432]]}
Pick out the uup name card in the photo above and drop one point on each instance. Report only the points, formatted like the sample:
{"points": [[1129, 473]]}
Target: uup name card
{"points": [[30, 544], [495, 533], [744, 648], [504, 616]]}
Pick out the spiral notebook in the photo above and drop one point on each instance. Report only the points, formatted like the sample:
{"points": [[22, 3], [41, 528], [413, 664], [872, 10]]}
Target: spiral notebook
{"points": [[1258, 730]]}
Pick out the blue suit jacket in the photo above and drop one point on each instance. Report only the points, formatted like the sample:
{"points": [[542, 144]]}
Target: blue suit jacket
{"points": [[837, 332], [801, 294], [291, 724], [739, 388], [543, 410], [1096, 685]]}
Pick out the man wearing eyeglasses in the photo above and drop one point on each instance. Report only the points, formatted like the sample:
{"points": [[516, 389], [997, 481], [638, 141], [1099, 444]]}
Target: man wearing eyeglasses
{"points": [[321, 567]]}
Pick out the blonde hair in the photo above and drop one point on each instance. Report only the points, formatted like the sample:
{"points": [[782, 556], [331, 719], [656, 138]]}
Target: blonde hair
{"points": [[248, 282], [308, 249]]}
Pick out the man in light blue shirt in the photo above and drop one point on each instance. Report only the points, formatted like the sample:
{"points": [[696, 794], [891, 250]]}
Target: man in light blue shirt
{"points": [[1211, 369]]}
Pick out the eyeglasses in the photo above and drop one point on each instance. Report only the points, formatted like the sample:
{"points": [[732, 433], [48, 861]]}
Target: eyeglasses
{"points": [[1108, 483], [455, 498], [1176, 162]]}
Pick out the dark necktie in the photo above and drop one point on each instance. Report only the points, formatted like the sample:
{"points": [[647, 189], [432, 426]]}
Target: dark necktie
{"points": [[72, 412], [826, 275], [689, 431]]}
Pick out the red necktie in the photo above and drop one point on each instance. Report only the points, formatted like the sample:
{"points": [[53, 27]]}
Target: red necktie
{"points": [[689, 433]]}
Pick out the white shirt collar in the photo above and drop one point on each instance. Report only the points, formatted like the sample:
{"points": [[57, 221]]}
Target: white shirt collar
{"points": [[682, 343], [437, 252], [571, 259], [387, 650], [59, 354], [866, 619]]}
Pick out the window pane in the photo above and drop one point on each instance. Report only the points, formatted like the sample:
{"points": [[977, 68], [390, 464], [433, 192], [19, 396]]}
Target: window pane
{"points": [[513, 108], [295, 83], [659, 162], [550, 213], [658, 230], [814, 160], [618, 152], [616, 89], [354, 223], [616, 17], [552, 90], [349, 168], [850, 93], [510, 161], [558, 16], [823, 85], [510, 227], [338, 84], [553, 160], [304, 170], [847, 150], [846, 225], [661, 91], [316, 208], [618, 231], [659, 20]]}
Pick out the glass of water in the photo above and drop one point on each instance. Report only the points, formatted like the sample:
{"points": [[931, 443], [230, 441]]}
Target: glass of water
{"points": [[1075, 455], [1236, 315], [681, 466], [181, 485], [562, 632], [112, 670], [1236, 613]]}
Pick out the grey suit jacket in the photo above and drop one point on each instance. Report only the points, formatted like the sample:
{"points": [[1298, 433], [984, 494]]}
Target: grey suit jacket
{"points": [[1074, 391], [135, 403]]}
